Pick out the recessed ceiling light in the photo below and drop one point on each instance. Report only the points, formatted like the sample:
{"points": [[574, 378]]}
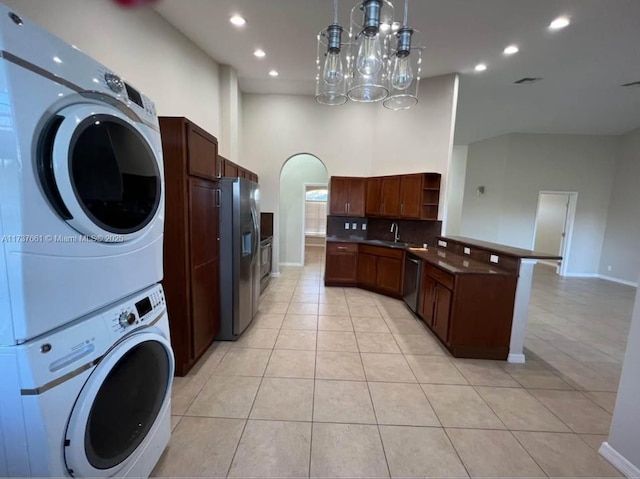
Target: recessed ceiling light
{"points": [[57, 59], [559, 23], [480, 67], [511, 49], [273, 73], [238, 20], [260, 53]]}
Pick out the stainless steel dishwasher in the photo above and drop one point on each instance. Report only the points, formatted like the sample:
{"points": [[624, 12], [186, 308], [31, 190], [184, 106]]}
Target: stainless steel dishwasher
{"points": [[412, 274]]}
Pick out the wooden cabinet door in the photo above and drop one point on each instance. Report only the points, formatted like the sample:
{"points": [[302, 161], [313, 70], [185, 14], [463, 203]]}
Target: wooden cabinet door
{"points": [[427, 298], [367, 270], [411, 196], [203, 153], [204, 263], [242, 173], [372, 206], [341, 267], [390, 197], [338, 196], [357, 196], [230, 169], [389, 276], [442, 312]]}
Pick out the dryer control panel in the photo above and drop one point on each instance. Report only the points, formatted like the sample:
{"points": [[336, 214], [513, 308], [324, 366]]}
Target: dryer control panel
{"points": [[128, 94], [141, 310]]}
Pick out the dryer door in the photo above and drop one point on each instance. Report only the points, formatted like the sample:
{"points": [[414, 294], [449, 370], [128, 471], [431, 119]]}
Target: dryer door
{"points": [[100, 172], [119, 405]]}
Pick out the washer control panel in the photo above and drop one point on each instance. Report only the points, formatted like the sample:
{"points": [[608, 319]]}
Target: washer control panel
{"points": [[126, 93], [140, 310]]}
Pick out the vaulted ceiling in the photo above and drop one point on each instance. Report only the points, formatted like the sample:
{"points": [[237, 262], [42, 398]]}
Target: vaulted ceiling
{"points": [[582, 66]]}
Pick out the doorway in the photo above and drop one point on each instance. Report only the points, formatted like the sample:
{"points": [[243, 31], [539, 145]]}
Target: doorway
{"points": [[554, 226], [302, 218]]}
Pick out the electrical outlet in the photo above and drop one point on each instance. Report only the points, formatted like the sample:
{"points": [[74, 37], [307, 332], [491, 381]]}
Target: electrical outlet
{"points": [[609, 268], [467, 251], [354, 226], [364, 226], [346, 226], [465, 264], [494, 258], [442, 243]]}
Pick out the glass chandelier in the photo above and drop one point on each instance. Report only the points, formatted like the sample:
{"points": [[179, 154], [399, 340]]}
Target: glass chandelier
{"points": [[380, 62]]}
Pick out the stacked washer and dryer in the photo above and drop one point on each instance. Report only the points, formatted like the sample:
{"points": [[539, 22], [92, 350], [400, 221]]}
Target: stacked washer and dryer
{"points": [[86, 364]]}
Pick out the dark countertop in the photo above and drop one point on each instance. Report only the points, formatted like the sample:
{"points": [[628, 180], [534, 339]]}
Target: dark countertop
{"points": [[500, 249], [445, 260], [454, 263]]}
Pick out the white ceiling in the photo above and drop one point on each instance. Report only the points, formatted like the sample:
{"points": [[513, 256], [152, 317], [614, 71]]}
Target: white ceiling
{"points": [[583, 65]]}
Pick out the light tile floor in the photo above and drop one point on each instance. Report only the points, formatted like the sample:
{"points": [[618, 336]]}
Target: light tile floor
{"points": [[340, 382]]}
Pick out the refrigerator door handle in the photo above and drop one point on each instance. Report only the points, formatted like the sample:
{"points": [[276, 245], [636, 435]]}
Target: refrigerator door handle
{"points": [[256, 241]]}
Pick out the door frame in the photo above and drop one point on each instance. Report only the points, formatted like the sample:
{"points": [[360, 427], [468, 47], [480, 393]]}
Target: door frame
{"points": [[565, 248], [304, 215]]}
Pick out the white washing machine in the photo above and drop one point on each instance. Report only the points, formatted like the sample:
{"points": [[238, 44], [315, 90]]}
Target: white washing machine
{"points": [[81, 184], [91, 399]]}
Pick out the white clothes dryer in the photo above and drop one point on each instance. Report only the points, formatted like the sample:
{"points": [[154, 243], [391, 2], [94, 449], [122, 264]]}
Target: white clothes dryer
{"points": [[91, 399], [81, 184]]}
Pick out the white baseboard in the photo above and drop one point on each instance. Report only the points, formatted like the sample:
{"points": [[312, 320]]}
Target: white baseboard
{"points": [[580, 275], [274, 275], [516, 358], [292, 264], [618, 460], [617, 280]]}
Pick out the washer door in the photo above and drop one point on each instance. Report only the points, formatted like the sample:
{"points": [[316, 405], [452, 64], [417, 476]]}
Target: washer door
{"points": [[118, 405], [100, 172]]}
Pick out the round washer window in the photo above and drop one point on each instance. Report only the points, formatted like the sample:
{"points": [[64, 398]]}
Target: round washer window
{"points": [[127, 405], [114, 174]]}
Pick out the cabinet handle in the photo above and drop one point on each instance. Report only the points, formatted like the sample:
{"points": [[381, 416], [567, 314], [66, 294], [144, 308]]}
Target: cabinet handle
{"points": [[218, 198]]}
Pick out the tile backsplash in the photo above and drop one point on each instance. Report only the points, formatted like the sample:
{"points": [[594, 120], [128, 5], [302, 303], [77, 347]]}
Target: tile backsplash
{"points": [[336, 226], [411, 231]]}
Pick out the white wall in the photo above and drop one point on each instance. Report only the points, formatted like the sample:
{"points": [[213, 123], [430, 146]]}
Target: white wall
{"points": [[516, 167], [624, 436], [455, 190], [622, 237], [352, 140], [229, 140], [295, 173], [552, 212], [138, 44]]}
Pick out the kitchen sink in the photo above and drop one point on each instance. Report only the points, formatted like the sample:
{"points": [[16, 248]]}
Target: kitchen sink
{"points": [[392, 244]]}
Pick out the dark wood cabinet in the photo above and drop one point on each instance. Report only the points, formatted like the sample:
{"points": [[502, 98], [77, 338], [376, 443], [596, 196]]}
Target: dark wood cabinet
{"points": [[367, 270], [372, 197], [191, 250], [229, 169], [381, 269], [410, 196], [390, 197], [471, 312], [341, 266], [347, 196]]}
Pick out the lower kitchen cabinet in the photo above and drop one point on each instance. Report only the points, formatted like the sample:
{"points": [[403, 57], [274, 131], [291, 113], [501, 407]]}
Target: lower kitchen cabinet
{"points": [[471, 313], [341, 268], [381, 269]]}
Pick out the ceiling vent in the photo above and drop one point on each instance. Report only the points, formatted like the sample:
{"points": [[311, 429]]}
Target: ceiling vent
{"points": [[527, 80], [633, 83]]}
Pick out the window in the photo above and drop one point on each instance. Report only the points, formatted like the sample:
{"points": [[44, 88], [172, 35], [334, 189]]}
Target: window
{"points": [[316, 211]]}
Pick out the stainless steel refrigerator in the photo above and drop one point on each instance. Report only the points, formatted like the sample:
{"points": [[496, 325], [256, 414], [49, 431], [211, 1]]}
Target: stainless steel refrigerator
{"points": [[239, 255]]}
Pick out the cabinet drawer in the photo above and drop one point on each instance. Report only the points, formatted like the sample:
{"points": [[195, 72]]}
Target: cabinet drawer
{"points": [[203, 155], [440, 276], [336, 247], [381, 251]]}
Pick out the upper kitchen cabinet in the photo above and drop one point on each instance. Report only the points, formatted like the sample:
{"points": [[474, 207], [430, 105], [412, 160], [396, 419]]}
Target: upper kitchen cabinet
{"points": [[412, 197], [390, 197], [372, 204], [347, 196], [229, 169]]}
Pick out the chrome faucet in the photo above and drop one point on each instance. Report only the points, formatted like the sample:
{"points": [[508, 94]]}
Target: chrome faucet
{"points": [[394, 229]]}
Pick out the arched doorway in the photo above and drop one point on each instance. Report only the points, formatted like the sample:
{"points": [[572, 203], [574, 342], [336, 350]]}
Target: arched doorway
{"points": [[302, 217]]}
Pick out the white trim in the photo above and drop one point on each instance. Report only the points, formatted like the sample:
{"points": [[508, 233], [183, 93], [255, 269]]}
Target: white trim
{"points": [[292, 264], [516, 359], [618, 460], [618, 280], [274, 275], [580, 275]]}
